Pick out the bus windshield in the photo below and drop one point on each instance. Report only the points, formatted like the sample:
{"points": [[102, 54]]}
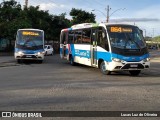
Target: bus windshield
{"points": [[125, 37], [29, 39]]}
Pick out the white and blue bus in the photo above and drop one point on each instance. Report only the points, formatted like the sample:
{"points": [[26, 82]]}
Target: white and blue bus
{"points": [[110, 47], [29, 45]]}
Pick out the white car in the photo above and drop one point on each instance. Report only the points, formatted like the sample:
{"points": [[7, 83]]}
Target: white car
{"points": [[48, 50]]}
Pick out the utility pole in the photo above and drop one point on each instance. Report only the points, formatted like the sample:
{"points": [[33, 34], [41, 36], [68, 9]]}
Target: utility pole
{"points": [[153, 32], [144, 32], [107, 13], [26, 3]]}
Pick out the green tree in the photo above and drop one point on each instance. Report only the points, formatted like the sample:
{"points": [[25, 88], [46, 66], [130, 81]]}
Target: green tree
{"points": [[13, 17], [81, 16], [58, 23], [9, 12], [51, 24]]}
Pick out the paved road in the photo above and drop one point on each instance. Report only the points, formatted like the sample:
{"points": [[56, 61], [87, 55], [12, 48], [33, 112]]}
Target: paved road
{"points": [[57, 86]]}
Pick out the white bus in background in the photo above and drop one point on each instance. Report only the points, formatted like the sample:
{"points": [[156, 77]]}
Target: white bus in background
{"points": [[29, 45], [110, 47]]}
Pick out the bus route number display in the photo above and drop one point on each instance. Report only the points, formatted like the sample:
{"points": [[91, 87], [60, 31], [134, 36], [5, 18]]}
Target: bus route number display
{"points": [[30, 33], [120, 29]]}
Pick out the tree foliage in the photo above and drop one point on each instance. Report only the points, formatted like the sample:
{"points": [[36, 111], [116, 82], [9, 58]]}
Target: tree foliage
{"points": [[9, 14], [81, 16], [157, 39], [14, 17]]}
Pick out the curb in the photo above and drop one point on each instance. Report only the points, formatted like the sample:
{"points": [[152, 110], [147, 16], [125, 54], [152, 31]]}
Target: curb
{"points": [[6, 64]]}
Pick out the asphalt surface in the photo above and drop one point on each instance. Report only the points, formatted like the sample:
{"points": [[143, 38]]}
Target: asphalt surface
{"points": [[57, 86]]}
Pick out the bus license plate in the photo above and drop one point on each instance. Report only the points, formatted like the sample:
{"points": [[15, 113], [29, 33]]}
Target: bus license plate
{"points": [[28, 56], [133, 66]]}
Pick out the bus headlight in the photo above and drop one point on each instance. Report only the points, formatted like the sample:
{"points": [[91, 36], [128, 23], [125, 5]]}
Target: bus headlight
{"points": [[116, 59], [20, 53], [146, 60], [40, 53]]}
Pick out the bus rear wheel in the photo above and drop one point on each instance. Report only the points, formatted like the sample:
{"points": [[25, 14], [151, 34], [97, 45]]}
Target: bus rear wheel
{"points": [[103, 69], [135, 72]]}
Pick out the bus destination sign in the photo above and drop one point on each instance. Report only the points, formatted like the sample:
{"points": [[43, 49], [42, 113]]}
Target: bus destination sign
{"points": [[120, 29], [30, 33]]}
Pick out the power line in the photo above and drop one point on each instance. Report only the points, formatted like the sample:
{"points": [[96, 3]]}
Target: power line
{"points": [[100, 3]]}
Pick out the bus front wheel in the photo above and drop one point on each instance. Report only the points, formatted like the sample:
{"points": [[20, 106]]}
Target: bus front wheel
{"points": [[40, 61], [103, 69], [19, 61], [134, 72]]}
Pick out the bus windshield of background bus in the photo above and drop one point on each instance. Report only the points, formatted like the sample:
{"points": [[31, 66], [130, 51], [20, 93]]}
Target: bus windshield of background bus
{"points": [[30, 39], [125, 37]]}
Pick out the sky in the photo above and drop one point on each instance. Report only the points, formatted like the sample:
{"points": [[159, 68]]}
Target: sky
{"points": [[143, 13]]}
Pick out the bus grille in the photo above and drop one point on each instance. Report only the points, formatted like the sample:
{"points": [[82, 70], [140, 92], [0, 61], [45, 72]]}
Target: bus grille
{"points": [[133, 66], [28, 56]]}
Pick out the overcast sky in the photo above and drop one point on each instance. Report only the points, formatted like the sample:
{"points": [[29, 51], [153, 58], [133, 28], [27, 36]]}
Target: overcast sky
{"points": [[143, 13]]}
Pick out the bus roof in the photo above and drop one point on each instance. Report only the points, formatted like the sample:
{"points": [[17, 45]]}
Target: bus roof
{"points": [[90, 25], [80, 26], [30, 29], [84, 25]]}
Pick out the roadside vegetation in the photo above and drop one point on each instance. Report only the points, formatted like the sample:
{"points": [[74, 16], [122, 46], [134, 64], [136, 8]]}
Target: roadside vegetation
{"points": [[13, 17]]}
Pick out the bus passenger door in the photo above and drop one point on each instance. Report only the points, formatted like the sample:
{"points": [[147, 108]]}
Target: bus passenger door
{"points": [[64, 50], [94, 48], [64, 45]]}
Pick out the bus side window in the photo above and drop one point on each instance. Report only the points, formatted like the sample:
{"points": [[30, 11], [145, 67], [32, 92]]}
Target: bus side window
{"points": [[64, 37], [86, 37], [71, 37], [78, 37], [102, 38]]}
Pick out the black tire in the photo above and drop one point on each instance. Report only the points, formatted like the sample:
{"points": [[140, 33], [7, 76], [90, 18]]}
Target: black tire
{"points": [[71, 61], [40, 61], [45, 53], [135, 72], [103, 69], [19, 61], [52, 54]]}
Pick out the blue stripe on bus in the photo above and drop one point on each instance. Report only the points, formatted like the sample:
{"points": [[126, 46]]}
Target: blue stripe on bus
{"points": [[72, 50], [104, 55], [61, 51], [107, 56], [130, 58], [28, 51]]}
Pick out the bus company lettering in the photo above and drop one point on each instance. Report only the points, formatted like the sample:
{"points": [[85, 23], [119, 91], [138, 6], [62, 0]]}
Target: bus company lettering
{"points": [[82, 53]]}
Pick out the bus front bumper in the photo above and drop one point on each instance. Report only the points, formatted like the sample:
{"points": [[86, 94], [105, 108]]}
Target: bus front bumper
{"points": [[37, 56], [119, 66]]}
